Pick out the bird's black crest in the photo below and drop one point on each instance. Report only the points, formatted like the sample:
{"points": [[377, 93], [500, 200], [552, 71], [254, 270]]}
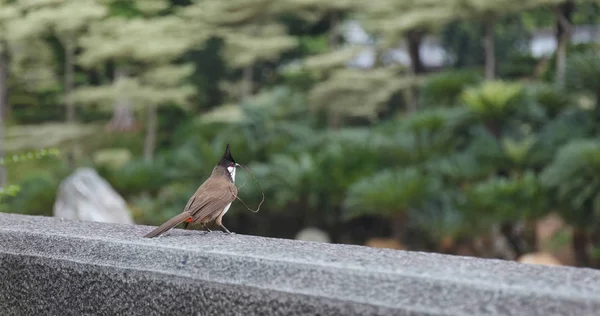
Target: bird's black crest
{"points": [[227, 159]]}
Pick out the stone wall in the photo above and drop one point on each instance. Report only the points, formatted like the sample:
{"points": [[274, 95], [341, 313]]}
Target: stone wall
{"points": [[50, 266]]}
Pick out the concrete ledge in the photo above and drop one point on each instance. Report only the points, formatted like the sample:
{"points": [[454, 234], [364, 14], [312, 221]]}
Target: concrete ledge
{"points": [[50, 266]]}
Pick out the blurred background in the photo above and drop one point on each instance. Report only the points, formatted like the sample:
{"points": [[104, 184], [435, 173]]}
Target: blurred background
{"points": [[465, 127]]}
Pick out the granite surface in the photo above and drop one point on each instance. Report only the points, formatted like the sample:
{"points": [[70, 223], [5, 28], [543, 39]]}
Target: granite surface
{"points": [[50, 266]]}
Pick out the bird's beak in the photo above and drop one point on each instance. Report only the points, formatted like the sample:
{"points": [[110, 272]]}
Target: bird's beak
{"points": [[237, 164]]}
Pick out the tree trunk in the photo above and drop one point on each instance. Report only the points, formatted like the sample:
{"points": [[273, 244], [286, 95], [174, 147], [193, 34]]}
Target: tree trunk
{"points": [[493, 126], [489, 48], [151, 132], [247, 85], [3, 106], [414, 38], [563, 14], [513, 238], [580, 245], [594, 240], [398, 224], [596, 112], [334, 120], [69, 82], [68, 88], [122, 119], [412, 99], [332, 36]]}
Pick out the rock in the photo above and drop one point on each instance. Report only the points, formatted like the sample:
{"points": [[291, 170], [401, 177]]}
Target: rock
{"points": [[542, 258], [388, 243], [86, 196], [313, 234], [64, 267]]}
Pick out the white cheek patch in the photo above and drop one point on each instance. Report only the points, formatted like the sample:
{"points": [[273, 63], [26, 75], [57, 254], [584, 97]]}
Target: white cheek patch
{"points": [[232, 172]]}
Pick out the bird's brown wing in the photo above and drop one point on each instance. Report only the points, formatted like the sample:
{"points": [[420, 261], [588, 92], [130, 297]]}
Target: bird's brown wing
{"points": [[211, 197]]}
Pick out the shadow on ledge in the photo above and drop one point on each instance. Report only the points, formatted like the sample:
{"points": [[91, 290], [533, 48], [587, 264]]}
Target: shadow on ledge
{"points": [[50, 266]]}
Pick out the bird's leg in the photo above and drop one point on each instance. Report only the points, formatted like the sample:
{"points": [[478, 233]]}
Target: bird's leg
{"points": [[204, 225], [220, 224], [185, 225]]}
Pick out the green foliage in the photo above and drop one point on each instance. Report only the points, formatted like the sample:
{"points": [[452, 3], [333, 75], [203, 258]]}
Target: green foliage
{"points": [[368, 94], [517, 151], [313, 44], [549, 72], [289, 179], [137, 176], [432, 127], [390, 191], [551, 98], [441, 216], [41, 136], [583, 73], [22, 157], [505, 199], [573, 178], [493, 99], [37, 186], [518, 65], [444, 89], [36, 195], [462, 39], [462, 167], [112, 158], [558, 132], [9, 190]]}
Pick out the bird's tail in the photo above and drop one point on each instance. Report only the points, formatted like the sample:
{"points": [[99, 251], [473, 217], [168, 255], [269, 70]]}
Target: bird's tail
{"points": [[168, 225]]}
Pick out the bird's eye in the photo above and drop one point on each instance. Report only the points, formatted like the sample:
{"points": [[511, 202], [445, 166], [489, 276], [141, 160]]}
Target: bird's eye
{"points": [[231, 164]]}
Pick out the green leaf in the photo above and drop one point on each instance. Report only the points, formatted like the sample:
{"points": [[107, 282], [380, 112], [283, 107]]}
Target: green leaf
{"points": [[493, 99], [390, 191]]}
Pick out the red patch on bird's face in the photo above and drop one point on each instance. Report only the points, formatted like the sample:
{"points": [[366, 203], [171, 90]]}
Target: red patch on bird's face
{"points": [[189, 220]]}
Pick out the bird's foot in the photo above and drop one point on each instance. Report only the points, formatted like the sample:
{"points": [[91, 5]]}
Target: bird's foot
{"points": [[208, 229], [224, 229]]}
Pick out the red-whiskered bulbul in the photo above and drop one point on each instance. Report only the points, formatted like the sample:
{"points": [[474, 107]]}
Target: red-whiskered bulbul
{"points": [[211, 201]]}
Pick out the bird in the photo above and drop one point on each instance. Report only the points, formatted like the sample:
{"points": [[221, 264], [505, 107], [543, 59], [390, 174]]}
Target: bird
{"points": [[210, 201]]}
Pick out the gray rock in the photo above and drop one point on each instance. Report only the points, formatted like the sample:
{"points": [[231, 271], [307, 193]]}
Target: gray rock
{"points": [[50, 266], [87, 196], [312, 234]]}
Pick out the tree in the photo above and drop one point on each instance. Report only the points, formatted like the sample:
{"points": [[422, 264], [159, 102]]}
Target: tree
{"points": [[315, 10], [493, 102], [407, 21], [67, 20], [7, 13], [364, 99], [392, 193], [251, 33], [393, 21], [367, 97], [582, 76], [487, 13], [144, 49], [563, 13], [31, 59], [573, 180]]}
